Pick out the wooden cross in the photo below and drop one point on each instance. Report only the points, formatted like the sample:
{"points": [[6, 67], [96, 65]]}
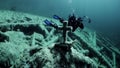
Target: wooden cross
{"points": [[64, 28]]}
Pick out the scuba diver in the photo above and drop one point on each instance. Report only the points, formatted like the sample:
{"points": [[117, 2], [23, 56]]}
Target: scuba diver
{"points": [[75, 22], [72, 22]]}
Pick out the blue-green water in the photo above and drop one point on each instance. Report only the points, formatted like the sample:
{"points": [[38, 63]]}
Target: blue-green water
{"points": [[104, 14]]}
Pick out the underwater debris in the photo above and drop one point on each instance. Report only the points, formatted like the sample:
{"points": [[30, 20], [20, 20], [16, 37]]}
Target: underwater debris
{"points": [[3, 37], [58, 58], [27, 28], [41, 47], [93, 50], [28, 19]]}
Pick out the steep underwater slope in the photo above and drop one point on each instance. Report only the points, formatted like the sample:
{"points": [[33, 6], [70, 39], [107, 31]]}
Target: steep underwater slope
{"points": [[26, 42]]}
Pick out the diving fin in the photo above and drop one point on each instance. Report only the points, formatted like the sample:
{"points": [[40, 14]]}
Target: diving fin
{"points": [[47, 22], [56, 17]]}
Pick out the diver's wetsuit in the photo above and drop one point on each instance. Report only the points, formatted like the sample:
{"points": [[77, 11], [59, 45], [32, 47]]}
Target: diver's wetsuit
{"points": [[75, 23], [79, 23]]}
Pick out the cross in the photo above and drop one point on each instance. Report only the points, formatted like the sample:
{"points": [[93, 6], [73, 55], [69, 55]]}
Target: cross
{"points": [[65, 28]]}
